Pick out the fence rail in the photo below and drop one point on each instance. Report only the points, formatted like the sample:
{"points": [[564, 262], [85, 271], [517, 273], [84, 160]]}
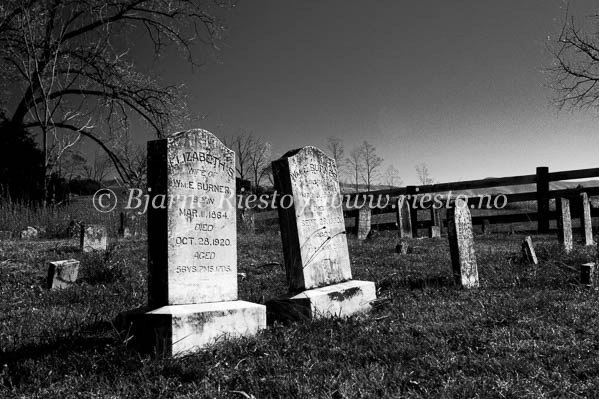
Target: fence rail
{"points": [[541, 196]]}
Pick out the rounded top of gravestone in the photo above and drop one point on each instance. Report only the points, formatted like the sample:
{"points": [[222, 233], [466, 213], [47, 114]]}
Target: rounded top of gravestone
{"points": [[305, 151], [194, 133]]}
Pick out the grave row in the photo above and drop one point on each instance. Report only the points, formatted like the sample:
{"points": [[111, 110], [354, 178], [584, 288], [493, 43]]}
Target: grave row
{"points": [[192, 246]]}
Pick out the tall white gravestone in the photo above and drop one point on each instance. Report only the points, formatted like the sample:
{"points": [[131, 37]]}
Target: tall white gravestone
{"points": [[314, 238], [192, 247]]}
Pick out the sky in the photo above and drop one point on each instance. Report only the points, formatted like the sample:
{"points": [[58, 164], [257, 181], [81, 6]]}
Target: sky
{"points": [[458, 85]]}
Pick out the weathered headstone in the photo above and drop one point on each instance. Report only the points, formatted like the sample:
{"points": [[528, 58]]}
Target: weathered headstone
{"points": [[364, 222], [588, 274], [435, 228], [62, 274], [461, 245], [94, 237], [30, 233], [586, 220], [314, 239], [528, 251], [404, 221], [564, 223], [402, 248], [486, 227], [192, 248], [5, 235]]}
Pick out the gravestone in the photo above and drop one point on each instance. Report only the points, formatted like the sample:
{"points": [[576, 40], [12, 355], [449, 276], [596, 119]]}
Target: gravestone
{"points": [[586, 220], [564, 223], [62, 273], [528, 251], [192, 249], [364, 222], [94, 237], [486, 227], [314, 240], [30, 233], [461, 245], [435, 228], [588, 274], [404, 221], [402, 248]]}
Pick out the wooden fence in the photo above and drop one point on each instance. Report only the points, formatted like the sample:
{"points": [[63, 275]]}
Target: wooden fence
{"points": [[422, 202]]}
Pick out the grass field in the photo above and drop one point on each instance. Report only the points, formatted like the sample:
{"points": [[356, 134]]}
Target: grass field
{"points": [[528, 332]]}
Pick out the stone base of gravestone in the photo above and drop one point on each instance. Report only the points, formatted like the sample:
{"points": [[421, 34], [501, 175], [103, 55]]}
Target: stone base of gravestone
{"points": [[62, 274], [336, 300], [178, 330]]}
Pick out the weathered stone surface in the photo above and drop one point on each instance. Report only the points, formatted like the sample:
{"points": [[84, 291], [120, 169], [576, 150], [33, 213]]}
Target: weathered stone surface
{"points": [[402, 248], [564, 223], [404, 221], [342, 300], [183, 329], [586, 220], [5, 235], [461, 246], [528, 251], [364, 222], [62, 274], [588, 274], [311, 219], [30, 233], [192, 240], [435, 229], [435, 232], [94, 237]]}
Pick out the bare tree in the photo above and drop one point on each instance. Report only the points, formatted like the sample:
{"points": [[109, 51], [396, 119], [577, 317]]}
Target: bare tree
{"points": [[98, 168], [424, 174], [575, 68], [133, 158], [372, 162], [392, 178], [356, 165], [335, 147], [259, 160], [244, 143], [71, 63]]}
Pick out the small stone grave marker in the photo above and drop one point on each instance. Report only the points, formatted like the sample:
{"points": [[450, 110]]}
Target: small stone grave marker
{"points": [[461, 245], [404, 221], [364, 222], [62, 273], [94, 237], [586, 220], [564, 223], [528, 251], [588, 274]]}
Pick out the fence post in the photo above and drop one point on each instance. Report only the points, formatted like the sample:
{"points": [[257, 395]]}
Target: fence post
{"points": [[543, 199], [412, 192]]}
